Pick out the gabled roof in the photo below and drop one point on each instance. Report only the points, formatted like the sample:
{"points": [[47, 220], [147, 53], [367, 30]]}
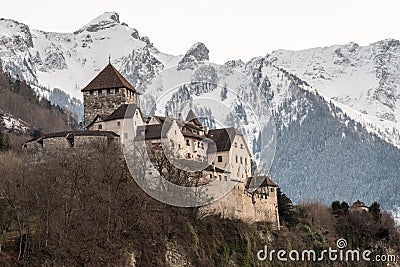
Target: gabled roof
{"points": [[223, 137], [266, 181], [75, 133], [152, 132], [109, 78], [123, 111], [191, 117]]}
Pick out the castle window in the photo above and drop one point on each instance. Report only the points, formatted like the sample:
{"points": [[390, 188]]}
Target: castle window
{"points": [[225, 178], [198, 144], [91, 93], [235, 144], [272, 190], [241, 146], [245, 161], [118, 123], [100, 127], [220, 177], [108, 91], [187, 142], [117, 91], [236, 159], [219, 158], [210, 176], [70, 139], [202, 146], [188, 155], [100, 92], [241, 160], [179, 146]]}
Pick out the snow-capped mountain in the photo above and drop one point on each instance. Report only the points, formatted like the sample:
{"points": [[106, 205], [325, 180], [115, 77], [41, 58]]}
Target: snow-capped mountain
{"points": [[362, 80], [336, 109]]}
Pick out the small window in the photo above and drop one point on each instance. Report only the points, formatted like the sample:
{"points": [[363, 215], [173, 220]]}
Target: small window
{"points": [[100, 92], [179, 146], [91, 93], [236, 159], [219, 158], [245, 161], [100, 126], [235, 144], [198, 144], [241, 160], [188, 155], [150, 173], [225, 178], [108, 91], [210, 176], [187, 142], [272, 190], [220, 177], [118, 123], [202, 146], [241, 146]]}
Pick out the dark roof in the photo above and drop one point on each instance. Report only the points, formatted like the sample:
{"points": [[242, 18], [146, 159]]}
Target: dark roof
{"points": [[75, 133], [266, 181], [215, 169], [151, 132], [108, 78], [359, 203], [191, 117], [123, 111], [222, 137]]}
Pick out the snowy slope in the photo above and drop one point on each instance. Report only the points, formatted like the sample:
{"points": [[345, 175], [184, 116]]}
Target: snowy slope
{"points": [[363, 80]]}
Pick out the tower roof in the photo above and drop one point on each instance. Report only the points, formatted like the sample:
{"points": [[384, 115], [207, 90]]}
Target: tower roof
{"points": [[109, 78], [191, 117]]}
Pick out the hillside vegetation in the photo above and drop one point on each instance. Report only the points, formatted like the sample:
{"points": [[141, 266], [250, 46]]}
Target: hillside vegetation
{"points": [[84, 209], [19, 101]]}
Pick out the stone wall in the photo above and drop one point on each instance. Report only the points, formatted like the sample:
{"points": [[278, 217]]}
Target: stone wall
{"points": [[106, 102], [239, 204]]}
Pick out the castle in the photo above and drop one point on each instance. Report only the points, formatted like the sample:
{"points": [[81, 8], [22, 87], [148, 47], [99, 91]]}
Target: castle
{"points": [[112, 114]]}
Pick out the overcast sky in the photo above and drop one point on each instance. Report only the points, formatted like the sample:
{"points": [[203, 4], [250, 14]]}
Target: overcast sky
{"points": [[230, 29]]}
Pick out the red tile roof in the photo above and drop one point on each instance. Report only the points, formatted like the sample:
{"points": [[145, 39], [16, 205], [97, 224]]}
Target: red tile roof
{"points": [[109, 78]]}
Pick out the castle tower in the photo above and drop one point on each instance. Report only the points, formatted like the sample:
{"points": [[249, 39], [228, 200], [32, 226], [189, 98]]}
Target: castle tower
{"points": [[106, 92]]}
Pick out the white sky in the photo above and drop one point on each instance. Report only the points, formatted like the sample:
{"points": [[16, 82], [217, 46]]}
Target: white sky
{"points": [[230, 29]]}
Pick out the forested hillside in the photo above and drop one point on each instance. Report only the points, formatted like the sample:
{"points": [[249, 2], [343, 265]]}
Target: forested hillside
{"points": [[84, 209], [22, 113]]}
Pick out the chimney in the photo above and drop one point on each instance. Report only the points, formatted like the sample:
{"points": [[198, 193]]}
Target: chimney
{"points": [[206, 129]]}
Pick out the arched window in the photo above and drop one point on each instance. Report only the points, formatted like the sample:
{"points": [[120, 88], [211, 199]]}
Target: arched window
{"points": [[100, 126]]}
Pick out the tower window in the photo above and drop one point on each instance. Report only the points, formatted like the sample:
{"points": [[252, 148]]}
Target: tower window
{"points": [[91, 93], [241, 146], [100, 127], [108, 91], [117, 91], [187, 142], [119, 123], [100, 92], [236, 159], [219, 158], [241, 160], [235, 144]]}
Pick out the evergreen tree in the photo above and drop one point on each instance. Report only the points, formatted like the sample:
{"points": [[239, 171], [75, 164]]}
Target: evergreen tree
{"points": [[4, 141], [285, 209], [375, 211]]}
